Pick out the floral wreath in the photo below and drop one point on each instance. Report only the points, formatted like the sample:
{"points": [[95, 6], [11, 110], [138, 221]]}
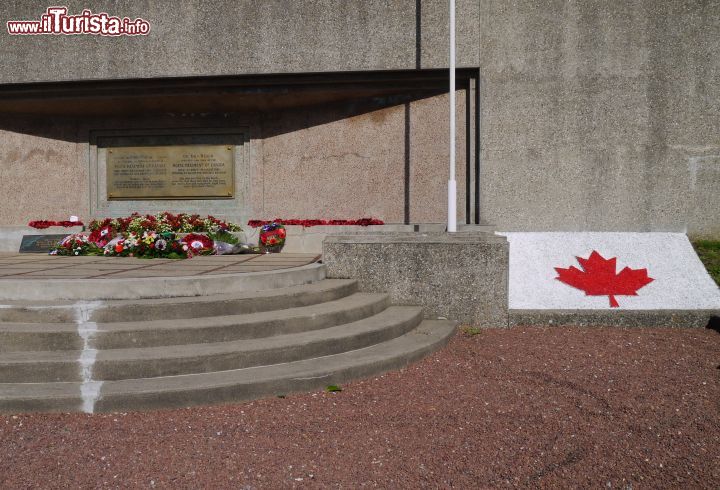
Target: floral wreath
{"points": [[272, 235]]}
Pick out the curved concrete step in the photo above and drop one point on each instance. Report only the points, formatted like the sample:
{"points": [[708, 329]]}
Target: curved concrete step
{"points": [[156, 287], [176, 308], [228, 386], [150, 362], [23, 337]]}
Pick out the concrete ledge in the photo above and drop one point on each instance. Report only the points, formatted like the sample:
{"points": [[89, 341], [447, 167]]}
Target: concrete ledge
{"points": [[301, 239], [460, 276], [156, 287], [11, 236], [615, 318]]}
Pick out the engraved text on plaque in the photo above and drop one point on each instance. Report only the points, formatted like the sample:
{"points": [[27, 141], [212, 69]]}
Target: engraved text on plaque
{"points": [[171, 172]]}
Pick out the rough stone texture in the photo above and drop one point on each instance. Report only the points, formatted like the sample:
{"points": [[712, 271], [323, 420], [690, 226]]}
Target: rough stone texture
{"points": [[624, 318], [310, 240], [601, 115], [302, 239], [332, 163], [204, 37], [460, 276], [336, 162], [40, 175]]}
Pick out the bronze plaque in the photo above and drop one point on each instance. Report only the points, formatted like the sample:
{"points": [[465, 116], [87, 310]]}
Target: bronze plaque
{"points": [[171, 172], [40, 243]]}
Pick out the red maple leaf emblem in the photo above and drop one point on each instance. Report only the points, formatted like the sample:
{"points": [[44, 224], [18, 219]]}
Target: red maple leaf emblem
{"points": [[598, 278]]}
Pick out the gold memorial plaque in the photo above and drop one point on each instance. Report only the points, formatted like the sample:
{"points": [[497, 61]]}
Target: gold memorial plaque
{"points": [[171, 172]]}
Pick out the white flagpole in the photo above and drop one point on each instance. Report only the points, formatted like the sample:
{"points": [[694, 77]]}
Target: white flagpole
{"points": [[452, 185]]}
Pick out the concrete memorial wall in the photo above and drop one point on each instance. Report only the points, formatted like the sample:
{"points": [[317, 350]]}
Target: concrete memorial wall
{"points": [[594, 115]]}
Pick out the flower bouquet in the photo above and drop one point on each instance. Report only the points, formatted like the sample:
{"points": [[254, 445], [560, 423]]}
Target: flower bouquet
{"points": [[76, 244], [150, 236], [194, 244], [272, 238]]}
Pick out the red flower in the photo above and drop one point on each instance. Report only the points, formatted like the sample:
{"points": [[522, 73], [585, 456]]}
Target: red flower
{"points": [[316, 222], [42, 224], [197, 242]]}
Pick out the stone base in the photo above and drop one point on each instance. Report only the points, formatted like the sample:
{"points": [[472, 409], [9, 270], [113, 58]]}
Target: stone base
{"points": [[11, 236], [461, 276], [616, 318]]}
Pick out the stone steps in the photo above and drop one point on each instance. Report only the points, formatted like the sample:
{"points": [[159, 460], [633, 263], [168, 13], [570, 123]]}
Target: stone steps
{"points": [[42, 290], [177, 307], [233, 385], [149, 362], [62, 354], [64, 336]]}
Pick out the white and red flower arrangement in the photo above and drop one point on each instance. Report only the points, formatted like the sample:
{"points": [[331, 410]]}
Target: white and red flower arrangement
{"points": [[163, 235], [76, 244], [195, 244]]}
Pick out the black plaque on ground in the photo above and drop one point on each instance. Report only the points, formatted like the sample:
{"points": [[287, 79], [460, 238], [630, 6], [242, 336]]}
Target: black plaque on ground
{"points": [[39, 244]]}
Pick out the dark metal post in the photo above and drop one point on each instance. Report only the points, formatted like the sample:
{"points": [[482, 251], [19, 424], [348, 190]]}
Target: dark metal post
{"points": [[478, 117]]}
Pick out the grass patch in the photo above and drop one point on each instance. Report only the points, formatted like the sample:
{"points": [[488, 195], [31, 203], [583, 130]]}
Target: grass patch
{"points": [[471, 331], [709, 253]]}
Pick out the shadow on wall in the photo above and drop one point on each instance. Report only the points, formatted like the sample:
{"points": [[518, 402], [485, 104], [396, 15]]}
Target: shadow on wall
{"points": [[276, 120], [267, 124]]}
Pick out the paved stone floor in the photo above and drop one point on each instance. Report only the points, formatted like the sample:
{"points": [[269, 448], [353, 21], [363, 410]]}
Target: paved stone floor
{"points": [[39, 266]]}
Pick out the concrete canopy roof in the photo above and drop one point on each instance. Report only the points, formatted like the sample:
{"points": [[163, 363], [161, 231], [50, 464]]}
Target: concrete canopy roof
{"points": [[219, 93]]}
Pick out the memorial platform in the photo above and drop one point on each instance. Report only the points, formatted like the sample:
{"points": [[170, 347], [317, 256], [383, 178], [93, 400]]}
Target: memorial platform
{"points": [[40, 266], [116, 334]]}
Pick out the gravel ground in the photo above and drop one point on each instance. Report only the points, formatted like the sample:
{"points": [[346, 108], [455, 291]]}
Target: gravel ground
{"points": [[525, 407]]}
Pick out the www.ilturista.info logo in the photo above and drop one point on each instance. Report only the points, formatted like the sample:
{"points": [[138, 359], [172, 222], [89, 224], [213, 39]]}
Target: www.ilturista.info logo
{"points": [[56, 20]]}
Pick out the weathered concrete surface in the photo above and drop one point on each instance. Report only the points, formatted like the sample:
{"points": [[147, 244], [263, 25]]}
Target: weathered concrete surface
{"points": [[264, 339], [40, 313], [40, 176], [335, 162], [11, 236], [355, 165], [461, 276], [623, 319], [601, 115], [204, 37], [185, 284]]}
